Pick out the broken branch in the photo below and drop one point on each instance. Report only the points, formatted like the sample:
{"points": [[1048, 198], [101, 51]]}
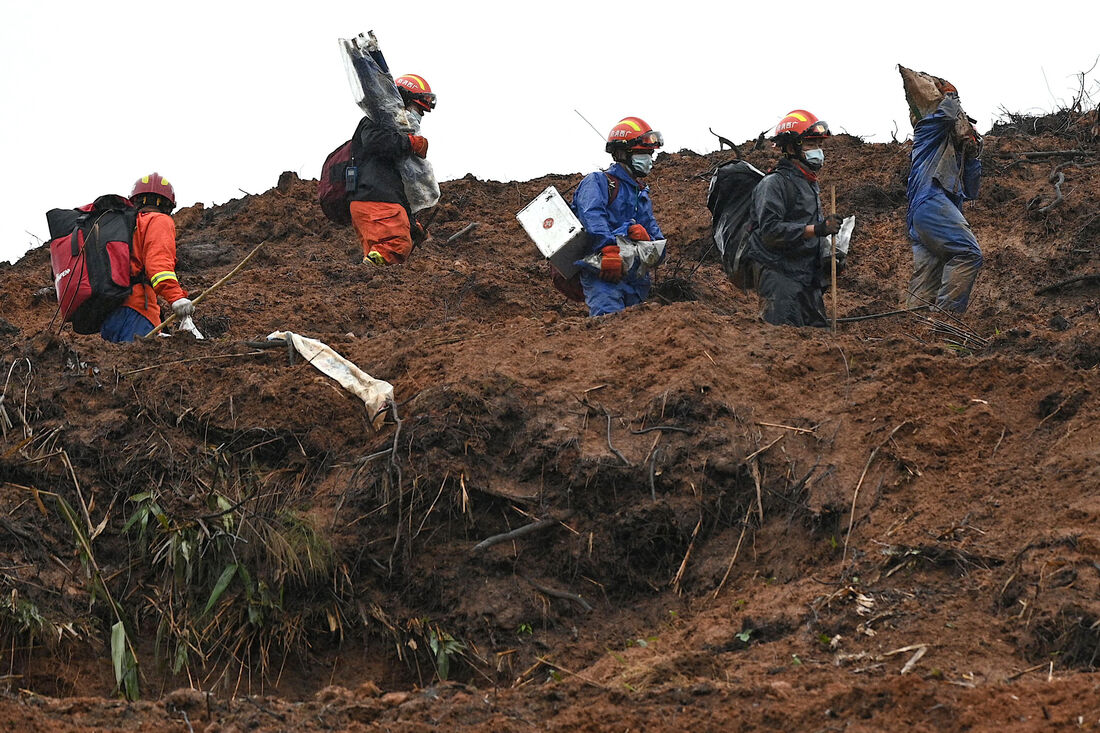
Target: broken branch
{"points": [[520, 532]]}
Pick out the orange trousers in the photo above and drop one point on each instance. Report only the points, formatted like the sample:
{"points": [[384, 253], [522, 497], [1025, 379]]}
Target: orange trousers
{"points": [[383, 228]]}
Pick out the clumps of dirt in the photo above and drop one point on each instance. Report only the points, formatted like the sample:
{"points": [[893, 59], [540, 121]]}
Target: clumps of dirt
{"points": [[641, 520]]}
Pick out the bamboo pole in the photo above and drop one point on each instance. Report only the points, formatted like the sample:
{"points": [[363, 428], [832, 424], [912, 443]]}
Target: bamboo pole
{"points": [[832, 260], [226, 278]]}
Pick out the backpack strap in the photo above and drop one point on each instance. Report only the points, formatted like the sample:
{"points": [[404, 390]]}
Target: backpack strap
{"points": [[612, 188]]}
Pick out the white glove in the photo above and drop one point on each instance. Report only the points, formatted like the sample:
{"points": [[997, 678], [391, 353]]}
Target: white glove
{"points": [[182, 307]]}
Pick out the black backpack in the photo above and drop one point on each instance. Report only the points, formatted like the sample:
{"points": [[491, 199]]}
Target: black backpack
{"points": [[729, 199]]}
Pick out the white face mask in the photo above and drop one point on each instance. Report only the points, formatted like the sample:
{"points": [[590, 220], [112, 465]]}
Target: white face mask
{"points": [[814, 158], [414, 115], [641, 163]]}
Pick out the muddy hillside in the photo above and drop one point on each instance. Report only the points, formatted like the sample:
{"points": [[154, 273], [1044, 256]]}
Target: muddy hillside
{"points": [[672, 518]]}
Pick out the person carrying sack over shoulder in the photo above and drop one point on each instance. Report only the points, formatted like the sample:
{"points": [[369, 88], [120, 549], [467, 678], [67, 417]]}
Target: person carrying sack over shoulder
{"points": [[379, 208], [613, 206], [946, 170], [153, 260], [788, 244]]}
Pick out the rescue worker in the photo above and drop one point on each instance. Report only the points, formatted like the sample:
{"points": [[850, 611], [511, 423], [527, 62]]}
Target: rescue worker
{"points": [[379, 208], [946, 171], [615, 209], [152, 264], [787, 245]]}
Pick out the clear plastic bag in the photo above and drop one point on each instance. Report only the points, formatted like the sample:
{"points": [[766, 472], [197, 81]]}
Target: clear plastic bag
{"points": [[374, 92]]}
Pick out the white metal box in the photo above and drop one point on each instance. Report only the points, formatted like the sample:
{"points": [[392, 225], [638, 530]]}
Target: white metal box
{"points": [[555, 230]]}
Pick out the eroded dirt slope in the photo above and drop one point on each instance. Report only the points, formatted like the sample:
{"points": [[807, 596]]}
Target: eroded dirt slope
{"points": [[890, 527]]}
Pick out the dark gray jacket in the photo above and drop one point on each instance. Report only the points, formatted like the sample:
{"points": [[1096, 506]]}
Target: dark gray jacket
{"points": [[783, 203], [378, 149]]}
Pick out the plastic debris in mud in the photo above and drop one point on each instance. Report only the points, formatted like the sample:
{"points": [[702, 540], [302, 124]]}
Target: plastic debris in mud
{"points": [[375, 93]]}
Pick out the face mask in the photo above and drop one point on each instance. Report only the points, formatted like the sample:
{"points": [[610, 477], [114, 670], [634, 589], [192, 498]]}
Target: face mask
{"points": [[641, 163], [814, 159], [415, 115]]}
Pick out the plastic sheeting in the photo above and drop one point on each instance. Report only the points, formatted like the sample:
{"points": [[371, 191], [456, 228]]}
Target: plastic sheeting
{"points": [[374, 92]]}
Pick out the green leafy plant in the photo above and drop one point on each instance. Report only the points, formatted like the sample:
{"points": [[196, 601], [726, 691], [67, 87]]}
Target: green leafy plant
{"points": [[524, 629], [444, 646], [745, 635]]}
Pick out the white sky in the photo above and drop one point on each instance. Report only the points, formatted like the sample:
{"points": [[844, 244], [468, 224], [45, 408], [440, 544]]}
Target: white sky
{"points": [[224, 96]]}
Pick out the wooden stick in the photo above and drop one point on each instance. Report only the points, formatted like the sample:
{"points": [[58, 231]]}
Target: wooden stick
{"points": [[562, 594], [462, 232], [832, 260], [855, 494], [172, 318], [736, 550], [560, 668], [520, 532]]}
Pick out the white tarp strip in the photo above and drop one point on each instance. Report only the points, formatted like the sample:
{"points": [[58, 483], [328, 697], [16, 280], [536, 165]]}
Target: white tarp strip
{"points": [[375, 393]]}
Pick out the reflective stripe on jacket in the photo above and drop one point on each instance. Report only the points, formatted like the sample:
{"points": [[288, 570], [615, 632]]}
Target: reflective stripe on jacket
{"points": [[154, 258]]}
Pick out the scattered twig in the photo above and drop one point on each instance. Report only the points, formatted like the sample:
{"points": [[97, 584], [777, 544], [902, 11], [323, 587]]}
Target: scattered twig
{"points": [[671, 428], [787, 427], [653, 474], [855, 494], [1043, 154], [1022, 672], [185, 361], [261, 708], [853, 319], [560, 668], [609, 445], [1090, 278], [683, 564], [736, 550], [562, 594], [519, 532], [758, 451], [462, 232]]}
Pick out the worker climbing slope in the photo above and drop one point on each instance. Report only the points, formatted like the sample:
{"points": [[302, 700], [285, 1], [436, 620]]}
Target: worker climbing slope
{"points": [[787, 243], [152, 264], [379, 206], [946, 170], [615, 209]]}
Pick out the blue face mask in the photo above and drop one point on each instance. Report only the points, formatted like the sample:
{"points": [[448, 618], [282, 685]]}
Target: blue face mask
{"points": [[814, 159], [641, 163]]}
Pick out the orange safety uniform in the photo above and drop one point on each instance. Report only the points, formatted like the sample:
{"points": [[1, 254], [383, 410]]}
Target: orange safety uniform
{"points": [[154, 254], [383, 227]]}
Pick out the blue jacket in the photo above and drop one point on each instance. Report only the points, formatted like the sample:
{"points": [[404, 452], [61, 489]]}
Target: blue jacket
{"points": [[938, 163], [602, 222]]}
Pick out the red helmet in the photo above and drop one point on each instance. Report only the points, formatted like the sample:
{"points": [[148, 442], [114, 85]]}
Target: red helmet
{"points": [[633, 133], [154, 183], [415, 89], [800, 125]]}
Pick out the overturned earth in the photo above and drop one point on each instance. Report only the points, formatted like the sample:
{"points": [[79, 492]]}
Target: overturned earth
{"points": [[676, 517]]}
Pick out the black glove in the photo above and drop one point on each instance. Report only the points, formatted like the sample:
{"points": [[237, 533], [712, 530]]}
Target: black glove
{"points": [[841, 262], [831, 225]]}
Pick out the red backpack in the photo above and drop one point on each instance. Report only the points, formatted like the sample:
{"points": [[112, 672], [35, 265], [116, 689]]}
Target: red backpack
{"points": [[338, 179], [90, 257]]}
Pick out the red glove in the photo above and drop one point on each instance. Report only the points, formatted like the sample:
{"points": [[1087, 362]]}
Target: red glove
{"points": [[611, 264], [638, 233], [419, 145], [946, 87]]}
